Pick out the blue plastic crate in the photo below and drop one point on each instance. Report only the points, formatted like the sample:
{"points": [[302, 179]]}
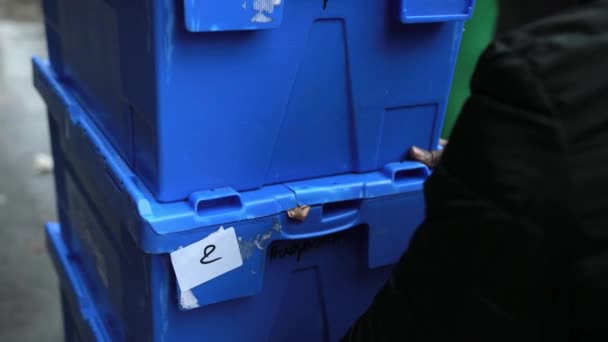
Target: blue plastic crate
{"points": [[193, 92], [299, 281], [81, 318]]}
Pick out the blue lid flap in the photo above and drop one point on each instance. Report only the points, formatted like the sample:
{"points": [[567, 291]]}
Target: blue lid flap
{"points": [[253, 239], [430, 11], [232, 15]]}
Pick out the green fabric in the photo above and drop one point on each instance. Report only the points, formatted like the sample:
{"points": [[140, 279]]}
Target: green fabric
{"points": [[478, 33]]}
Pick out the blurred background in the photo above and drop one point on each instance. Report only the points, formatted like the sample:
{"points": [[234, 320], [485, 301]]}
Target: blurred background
{"points": [[29, 295]]}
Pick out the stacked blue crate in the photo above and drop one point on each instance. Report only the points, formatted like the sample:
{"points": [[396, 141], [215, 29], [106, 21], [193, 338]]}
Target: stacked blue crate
{"points": [[82, 322], [192, 92], [276, 129], [300, 280]]}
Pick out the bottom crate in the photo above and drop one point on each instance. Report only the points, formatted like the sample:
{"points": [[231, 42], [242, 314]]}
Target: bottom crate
{"points": [[297, 288], [300, 281], [81, 320], [310, 290]]}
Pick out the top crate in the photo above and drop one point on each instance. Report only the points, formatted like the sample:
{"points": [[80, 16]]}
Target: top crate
{"points": [[201, 94]]}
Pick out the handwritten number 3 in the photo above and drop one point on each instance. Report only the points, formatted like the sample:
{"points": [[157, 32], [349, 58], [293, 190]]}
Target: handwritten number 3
{"points": [[207, 253]]}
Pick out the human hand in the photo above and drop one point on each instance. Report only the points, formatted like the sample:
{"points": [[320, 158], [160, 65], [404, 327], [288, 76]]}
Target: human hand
{"points": [[428, 158]]}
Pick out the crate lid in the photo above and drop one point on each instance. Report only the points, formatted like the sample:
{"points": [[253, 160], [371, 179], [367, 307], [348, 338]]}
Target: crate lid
{"points": [[238, 15]]}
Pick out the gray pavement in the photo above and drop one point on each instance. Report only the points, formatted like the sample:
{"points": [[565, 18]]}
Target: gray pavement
{"points": [[29, 295]]}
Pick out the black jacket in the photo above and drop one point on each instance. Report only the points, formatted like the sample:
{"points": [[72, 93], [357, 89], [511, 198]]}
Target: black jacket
{"points": [[515, 244]]}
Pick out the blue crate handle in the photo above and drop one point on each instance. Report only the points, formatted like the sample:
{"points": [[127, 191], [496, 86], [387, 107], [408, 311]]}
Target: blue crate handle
{"points": [[239, 15], [334, 203], [386, 221], [343, 212], [215, 202], [323, 220], [428, 11]]}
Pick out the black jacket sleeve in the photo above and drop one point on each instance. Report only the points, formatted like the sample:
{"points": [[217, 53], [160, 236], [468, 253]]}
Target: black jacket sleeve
{"points": [[496, 258]]}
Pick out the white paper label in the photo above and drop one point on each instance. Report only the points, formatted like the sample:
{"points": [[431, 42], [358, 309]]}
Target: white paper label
{"points": [[207, 259]]}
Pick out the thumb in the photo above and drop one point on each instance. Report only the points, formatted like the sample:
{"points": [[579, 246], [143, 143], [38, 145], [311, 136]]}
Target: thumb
{"points": [[430, 159]]}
